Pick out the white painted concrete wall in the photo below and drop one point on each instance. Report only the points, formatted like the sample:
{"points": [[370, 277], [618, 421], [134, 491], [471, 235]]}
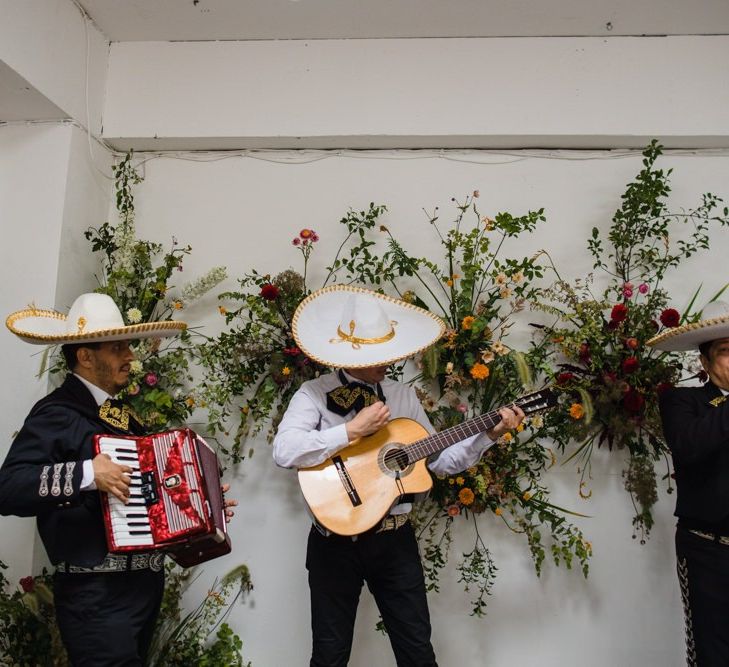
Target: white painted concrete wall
{"points": [[509, 92], [49, 44], [242, 213]]}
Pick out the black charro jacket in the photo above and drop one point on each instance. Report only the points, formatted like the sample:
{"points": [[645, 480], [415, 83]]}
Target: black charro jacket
{"points": [[42, 473], [696, 427]]}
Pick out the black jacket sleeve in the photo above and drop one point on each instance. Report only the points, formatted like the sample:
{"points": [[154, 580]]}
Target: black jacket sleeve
{"points": [[44, 467]]}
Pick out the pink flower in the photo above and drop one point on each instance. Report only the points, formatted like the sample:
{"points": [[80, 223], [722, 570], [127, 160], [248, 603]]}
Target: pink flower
{"points": [[453, 510], [151, 379], [462, 408], [133, 389], [643, 288], [27, 584], [296, 241], [627, 292]]}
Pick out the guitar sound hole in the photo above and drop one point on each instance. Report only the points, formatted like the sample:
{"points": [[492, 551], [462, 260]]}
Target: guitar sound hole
{"points": [[396, 460]]}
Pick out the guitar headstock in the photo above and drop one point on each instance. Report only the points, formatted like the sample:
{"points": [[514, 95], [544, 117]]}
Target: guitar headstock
{"points": [[537, 401]]}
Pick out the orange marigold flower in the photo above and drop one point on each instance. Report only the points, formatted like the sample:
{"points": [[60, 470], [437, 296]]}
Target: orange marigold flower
{"points": [[466, 496], [467, 322], [177, 305], [527, 495], [479, 371], [449, 282], [498, 511], [285, 371], [222, 309], [577, 411]]}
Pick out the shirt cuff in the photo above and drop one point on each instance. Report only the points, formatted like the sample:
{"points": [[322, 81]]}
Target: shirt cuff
{"points": [[335, 438], [87, 479]]}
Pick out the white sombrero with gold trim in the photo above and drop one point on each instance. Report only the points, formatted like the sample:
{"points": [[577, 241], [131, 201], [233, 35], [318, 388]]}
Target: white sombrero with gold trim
{"points": [[351, 327], [93, 318], [714, 324]]}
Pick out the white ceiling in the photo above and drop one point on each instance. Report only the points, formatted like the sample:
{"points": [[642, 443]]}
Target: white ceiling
{"points": [[173, 20]]}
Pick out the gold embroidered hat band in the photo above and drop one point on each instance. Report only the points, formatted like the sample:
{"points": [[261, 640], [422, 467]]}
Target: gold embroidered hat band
{"points": [[93, 318], [714, 325], [351, 327]]}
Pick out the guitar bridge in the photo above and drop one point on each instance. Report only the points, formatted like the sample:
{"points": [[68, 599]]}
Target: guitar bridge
{"points": [[346, 481]]}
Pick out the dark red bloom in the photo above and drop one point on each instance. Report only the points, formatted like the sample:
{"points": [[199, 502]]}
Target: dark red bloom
{"points": [[670, 317], [632, 343], [619, 312], [27, 584], [292, 351], [663, 386], [270, 292], [630, 365], [564, 378], [633, 401]]}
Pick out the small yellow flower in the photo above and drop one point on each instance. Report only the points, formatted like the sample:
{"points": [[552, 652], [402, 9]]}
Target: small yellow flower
{"points": [[577, 411], [245, 409], [285, 371], [498, 511], [409, 296], [472, 470], [451, 481], [527, 495], [449, 282], [449, 368], [178, 305], [460, 481], [506, 437], [190, 402], [466, 496], [489, 224], [479, 371], [520, 428], [467, 322], [455, 276], [222, 310]]}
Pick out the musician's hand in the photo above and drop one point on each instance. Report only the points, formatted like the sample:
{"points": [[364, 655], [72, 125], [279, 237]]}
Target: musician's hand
{"points": [[368, 420], [511, 417], [228, 503], [111, 477]]}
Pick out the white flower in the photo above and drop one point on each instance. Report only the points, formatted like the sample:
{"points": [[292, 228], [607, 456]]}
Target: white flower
{"points": [[501, 278], [134, 315], [499, 348], [197, 288], [135, 366], [449, 367]]}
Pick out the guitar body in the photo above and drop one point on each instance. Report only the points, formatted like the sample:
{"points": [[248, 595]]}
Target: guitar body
{"points": [[350, 492]]}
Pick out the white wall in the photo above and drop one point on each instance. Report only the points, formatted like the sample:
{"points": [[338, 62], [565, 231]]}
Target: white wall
{"points": [[48, 195], [49, 44], [461, 93], [242, 212]]}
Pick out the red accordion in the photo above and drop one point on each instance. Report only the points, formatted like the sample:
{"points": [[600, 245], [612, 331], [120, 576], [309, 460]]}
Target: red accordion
{"points": [[175, 501]]}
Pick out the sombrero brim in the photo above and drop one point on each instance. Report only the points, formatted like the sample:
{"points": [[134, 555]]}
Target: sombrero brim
{"points": [[690, 336], [48, 327], [317, 318]]}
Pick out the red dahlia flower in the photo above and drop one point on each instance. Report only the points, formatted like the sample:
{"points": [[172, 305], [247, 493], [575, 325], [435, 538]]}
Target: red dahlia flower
{"points": [[670, 317], [270, 292], [630, 365], [619, 312]]}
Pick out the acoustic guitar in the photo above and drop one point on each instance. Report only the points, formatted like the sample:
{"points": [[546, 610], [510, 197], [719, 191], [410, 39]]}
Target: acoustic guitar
{"points": [[351, 491]]}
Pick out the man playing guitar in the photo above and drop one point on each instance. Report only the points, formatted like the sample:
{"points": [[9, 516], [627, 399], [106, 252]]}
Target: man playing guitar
{"points": [[361, 333]]}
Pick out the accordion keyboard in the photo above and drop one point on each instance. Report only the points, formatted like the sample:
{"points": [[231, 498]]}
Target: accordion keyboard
{"points": [[130, 523]]}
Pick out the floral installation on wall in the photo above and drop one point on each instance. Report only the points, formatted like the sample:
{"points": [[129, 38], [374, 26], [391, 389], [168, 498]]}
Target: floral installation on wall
{"points": [[608, 379], [472, 370], [139, 275], [202, 636], [254, 367], [29, 634]]}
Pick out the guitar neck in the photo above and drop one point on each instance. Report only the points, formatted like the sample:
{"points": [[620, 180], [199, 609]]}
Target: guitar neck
{"points": [[439, 441]]}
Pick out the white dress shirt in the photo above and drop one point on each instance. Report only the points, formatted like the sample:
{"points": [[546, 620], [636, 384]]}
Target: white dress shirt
{"points": [[100, 396], [309, 434]]}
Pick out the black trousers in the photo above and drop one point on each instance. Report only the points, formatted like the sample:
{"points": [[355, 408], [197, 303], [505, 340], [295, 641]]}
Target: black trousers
{"points": [[390, 564], [107, 619], [703, 574]]}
